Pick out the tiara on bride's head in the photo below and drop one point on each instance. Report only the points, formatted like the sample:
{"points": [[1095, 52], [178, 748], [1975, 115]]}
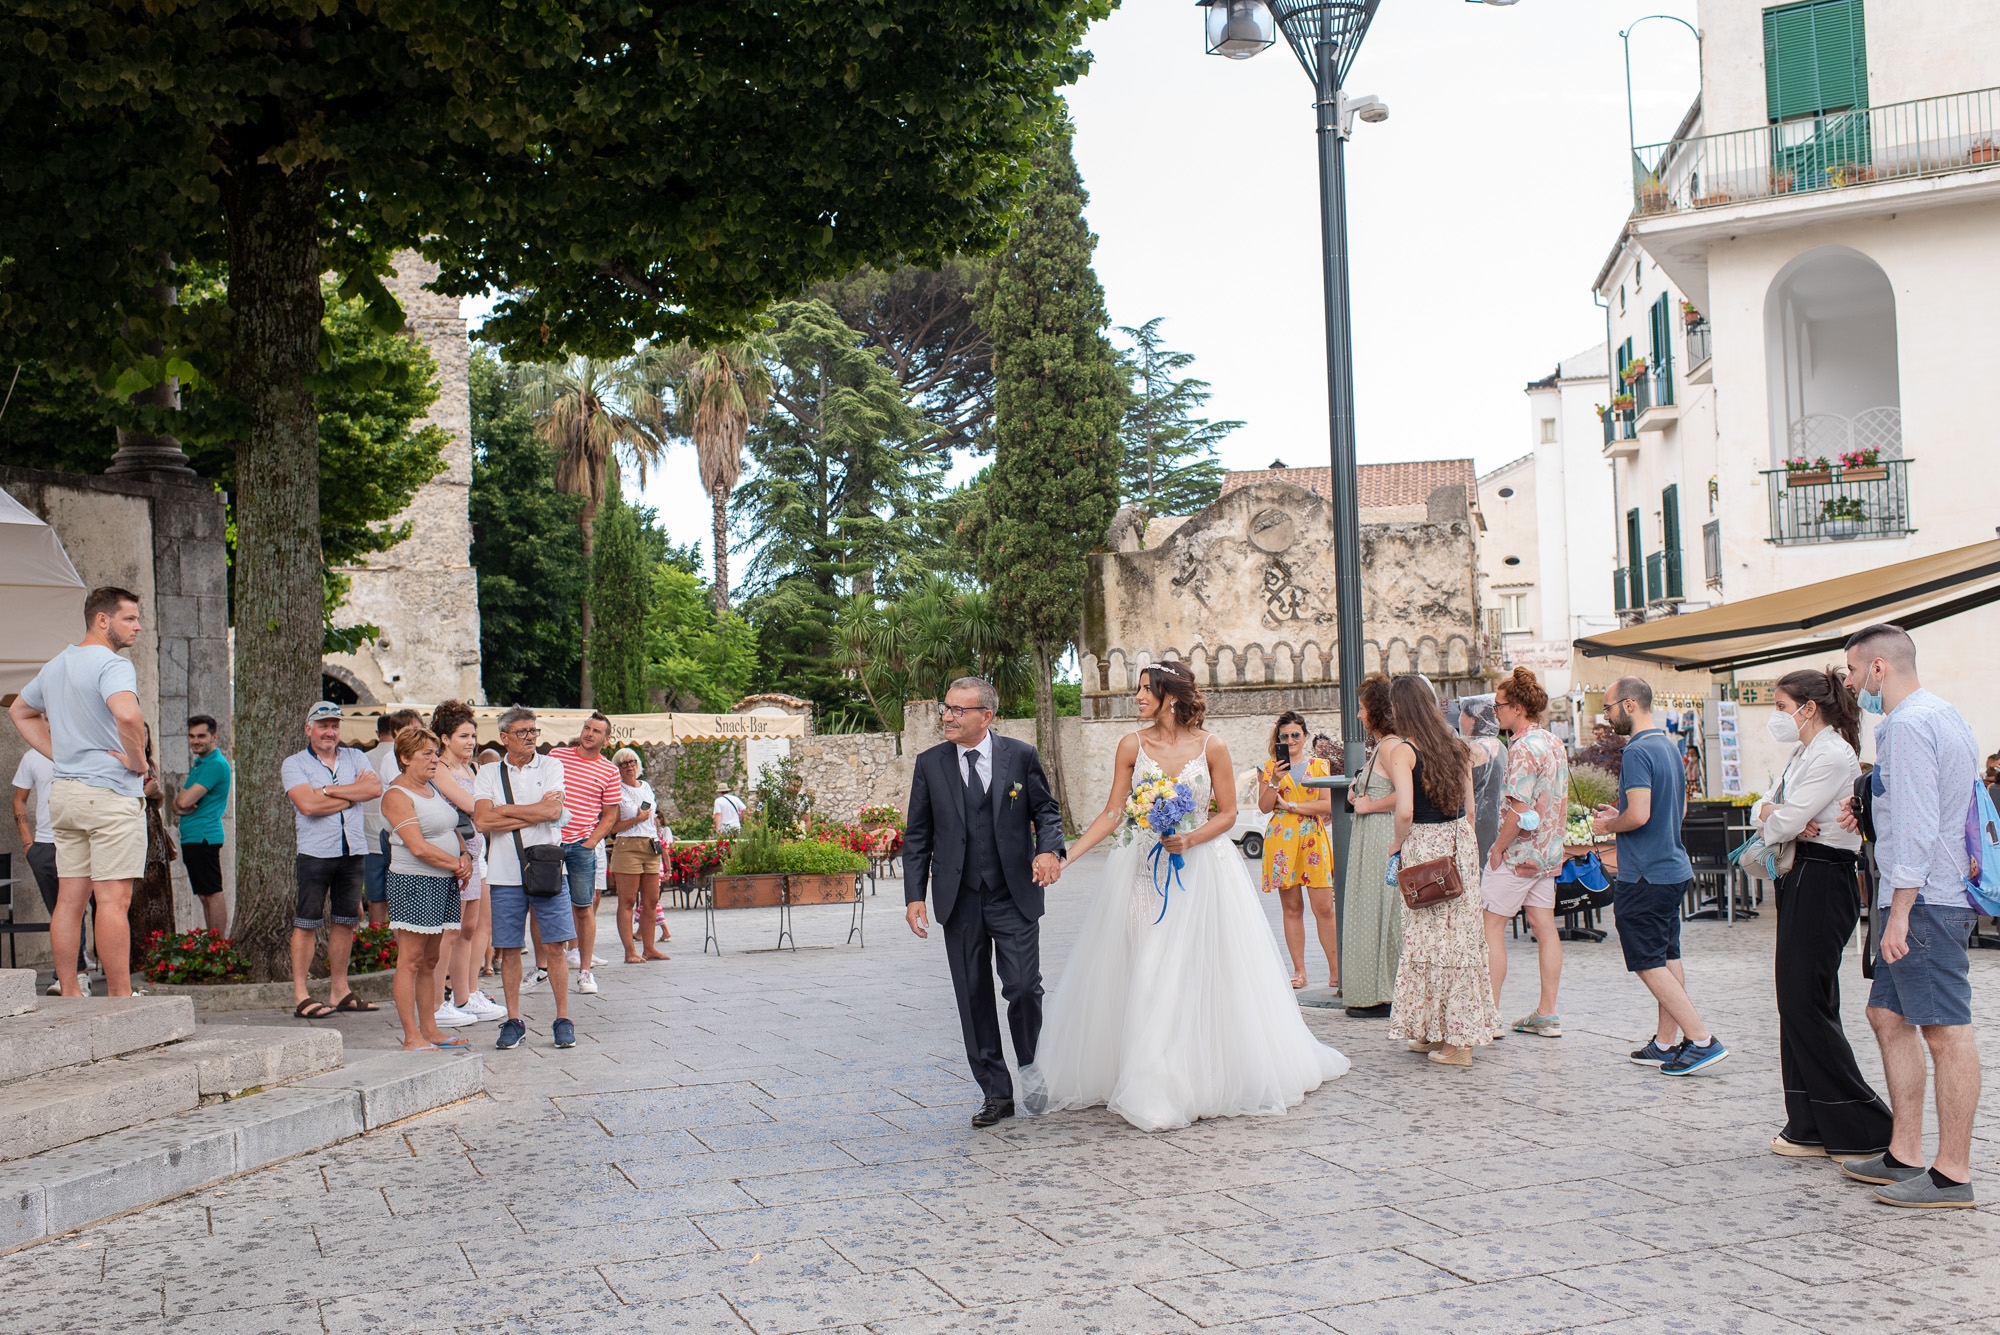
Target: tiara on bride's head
{"points": [[1173, 669]]}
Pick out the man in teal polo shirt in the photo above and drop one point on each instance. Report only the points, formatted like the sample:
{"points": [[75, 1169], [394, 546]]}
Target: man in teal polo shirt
{"points": [[200, 804]]}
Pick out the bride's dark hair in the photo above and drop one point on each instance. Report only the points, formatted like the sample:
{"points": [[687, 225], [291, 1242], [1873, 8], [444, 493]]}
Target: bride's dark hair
{"points": [[1174, 684]]}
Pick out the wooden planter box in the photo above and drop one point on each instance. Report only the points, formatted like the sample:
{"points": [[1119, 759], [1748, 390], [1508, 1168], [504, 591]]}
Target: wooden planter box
{"points": [[1873, 473], [749, 892], [839, 888], [1803, 478]]}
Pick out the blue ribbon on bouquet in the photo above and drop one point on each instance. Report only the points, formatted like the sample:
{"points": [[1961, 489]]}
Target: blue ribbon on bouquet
{"points": [[1174, 864]]}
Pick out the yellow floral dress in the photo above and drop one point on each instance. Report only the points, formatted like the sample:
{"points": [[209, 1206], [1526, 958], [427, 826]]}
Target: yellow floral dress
{"points": [[1296, 849]]}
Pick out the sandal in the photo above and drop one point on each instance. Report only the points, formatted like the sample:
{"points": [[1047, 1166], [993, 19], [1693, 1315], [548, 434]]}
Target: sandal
{"points": [[353, 1002], [311, 1010], [1299, 981]]}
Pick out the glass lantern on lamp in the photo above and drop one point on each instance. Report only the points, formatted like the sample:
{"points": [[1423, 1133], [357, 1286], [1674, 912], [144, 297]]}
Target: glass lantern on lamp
{"points": [[1239, 29]]}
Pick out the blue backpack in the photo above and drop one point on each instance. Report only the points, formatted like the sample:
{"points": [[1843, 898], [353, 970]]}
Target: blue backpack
{"points": [[1983, 844]]}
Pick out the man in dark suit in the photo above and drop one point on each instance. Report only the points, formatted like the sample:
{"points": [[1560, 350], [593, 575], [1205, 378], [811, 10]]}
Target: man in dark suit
{"points": [[986, 834]]}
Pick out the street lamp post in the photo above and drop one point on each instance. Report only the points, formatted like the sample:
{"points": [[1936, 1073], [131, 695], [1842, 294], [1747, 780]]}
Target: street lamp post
{"points": [[1325, 35]]}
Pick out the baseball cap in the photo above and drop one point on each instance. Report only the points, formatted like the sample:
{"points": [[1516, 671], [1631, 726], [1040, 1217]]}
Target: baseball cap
{"points": [[322, 711]]}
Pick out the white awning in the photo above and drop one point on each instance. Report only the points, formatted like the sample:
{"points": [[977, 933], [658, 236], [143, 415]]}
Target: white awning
{"points": [[561, 726], [41, 596]]}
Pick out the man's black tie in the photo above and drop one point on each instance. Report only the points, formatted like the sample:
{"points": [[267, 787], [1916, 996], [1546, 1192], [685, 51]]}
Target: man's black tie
{"points": [[975, 791]]}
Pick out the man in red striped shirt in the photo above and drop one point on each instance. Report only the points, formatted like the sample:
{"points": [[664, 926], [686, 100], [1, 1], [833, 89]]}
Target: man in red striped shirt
{"points": [[591, 793]]}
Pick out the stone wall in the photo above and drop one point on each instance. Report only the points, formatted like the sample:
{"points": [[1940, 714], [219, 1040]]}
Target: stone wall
{"points": [[164, 538], [423, 592], [1243, 593]]}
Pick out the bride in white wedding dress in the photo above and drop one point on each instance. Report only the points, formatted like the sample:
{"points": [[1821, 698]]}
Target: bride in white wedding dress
{"points": [[1174, 1004]]}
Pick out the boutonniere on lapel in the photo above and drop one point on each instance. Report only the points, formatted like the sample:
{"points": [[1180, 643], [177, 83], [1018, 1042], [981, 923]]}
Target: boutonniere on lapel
{"points": [[1013, 793]]}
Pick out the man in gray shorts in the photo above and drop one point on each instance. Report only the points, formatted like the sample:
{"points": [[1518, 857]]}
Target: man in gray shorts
{"points": [[1926, 764]]}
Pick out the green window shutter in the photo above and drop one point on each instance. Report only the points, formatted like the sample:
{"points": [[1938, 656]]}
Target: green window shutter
{"points": [[1635, 559], [1815, 58], [1670, 538]]}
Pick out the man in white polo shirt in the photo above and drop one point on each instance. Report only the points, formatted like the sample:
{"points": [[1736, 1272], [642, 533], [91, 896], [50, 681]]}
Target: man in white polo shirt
{"points": [[517, 804], [82, 711]]}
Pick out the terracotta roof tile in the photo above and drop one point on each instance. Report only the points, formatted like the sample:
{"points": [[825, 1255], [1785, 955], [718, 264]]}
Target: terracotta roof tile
{"points": [[1380, 484]]}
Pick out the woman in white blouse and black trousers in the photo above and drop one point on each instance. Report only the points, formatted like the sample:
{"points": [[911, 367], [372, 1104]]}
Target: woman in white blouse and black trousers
{"points": [[1830, 1108]]}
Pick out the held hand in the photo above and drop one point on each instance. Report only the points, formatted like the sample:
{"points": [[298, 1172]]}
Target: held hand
{"points": [[919, 919], [1389, 872], [464, 868], [1048, 869], [1176, 843], [1895, 938]]}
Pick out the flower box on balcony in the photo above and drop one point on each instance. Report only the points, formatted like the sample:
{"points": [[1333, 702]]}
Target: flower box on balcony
{"points": [[1983, 151], [1800, 477], [1875, 474]]}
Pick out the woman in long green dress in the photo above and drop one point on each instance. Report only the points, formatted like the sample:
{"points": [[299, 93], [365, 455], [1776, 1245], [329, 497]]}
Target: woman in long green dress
{"points": [[1371, 940]]}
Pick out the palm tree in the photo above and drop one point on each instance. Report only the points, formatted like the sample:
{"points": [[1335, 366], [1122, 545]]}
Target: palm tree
{"points": [[592, 412], [718, 392]]}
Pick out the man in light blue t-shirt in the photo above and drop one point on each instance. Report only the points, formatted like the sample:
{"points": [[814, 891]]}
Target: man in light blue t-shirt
{"points": [[82, 711], [1653, 878]]}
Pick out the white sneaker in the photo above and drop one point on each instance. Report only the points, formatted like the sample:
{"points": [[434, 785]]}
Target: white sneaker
{"points": [[586, 981], [55, 988], [83, 983], [482, 1007], [572, 956], [537, 983], [449, 1016]]}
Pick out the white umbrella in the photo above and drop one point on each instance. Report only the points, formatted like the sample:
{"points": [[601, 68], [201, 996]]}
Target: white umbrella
{"points": [[41, 598]]}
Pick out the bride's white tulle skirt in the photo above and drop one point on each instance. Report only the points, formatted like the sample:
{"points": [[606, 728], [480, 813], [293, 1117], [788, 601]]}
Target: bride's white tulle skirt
{"points": [[1190, 1017]]}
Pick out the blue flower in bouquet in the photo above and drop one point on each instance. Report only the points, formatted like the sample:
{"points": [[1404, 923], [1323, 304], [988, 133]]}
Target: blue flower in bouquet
{"points": [[1170, 810], [1161, 805]]}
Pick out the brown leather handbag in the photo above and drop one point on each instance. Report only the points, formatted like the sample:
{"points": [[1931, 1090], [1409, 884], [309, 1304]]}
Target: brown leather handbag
{"points": [[1431, 882]]}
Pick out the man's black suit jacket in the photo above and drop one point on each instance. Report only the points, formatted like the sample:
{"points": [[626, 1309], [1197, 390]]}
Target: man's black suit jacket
{"points": [[1026, 820]]}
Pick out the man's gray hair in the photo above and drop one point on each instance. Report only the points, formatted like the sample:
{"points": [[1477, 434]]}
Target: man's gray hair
{"points": [[989, 699], [515, 714]]}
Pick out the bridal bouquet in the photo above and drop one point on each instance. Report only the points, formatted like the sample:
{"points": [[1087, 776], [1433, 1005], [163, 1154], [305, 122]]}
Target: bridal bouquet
{"points": [[1163, 806]]}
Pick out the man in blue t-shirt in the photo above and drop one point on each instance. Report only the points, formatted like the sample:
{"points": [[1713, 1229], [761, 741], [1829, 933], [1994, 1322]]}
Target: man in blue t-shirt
{"points": [[203, 797], [82, 712], [1653, 877]]}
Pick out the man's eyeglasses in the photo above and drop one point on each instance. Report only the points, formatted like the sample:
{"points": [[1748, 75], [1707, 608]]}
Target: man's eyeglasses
{"points": [[960, 711], [525, 734]]}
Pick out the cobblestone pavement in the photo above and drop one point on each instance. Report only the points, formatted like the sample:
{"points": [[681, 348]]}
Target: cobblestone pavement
{"points": [[779, 1143]]}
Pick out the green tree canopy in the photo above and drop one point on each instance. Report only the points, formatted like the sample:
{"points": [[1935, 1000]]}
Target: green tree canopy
{"points": [[702, 659], [1171, 466], [841, 471], [619, 171], [1054, 484], [922, 322]]}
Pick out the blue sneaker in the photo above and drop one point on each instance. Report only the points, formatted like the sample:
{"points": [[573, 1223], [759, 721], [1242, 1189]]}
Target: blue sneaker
{"points": [[1692, 1057], [565, 1034], [1655, 1055], [512, 1033]]}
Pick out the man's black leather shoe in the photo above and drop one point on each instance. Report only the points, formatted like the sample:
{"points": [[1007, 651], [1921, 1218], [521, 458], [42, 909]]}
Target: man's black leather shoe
{"points": [[993, 1110]]}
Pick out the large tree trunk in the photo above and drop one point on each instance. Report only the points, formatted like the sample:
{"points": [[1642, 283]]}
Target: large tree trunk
{"points": [[1047, 740], [586, 694], [719, 499], [274, 274]]}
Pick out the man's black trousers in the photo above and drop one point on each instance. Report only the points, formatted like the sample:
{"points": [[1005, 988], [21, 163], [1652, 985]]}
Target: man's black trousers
{"points": [[985, 925]]}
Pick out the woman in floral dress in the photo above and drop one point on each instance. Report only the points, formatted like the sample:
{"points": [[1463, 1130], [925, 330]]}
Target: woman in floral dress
{"points": [[1444, 1002], [1298, 857], [1373, 941]]}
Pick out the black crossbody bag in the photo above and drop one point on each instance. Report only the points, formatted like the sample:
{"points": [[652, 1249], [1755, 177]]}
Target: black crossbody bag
{"points": [[542, 865]]}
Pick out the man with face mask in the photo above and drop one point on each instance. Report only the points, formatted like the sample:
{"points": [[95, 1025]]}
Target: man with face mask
{"points": [[1653, 878], [1926, 763]]}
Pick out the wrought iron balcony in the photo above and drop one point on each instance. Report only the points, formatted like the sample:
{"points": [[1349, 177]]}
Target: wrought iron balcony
{"points": [[1931, 136], [1839, 504], [1620, 424], [1698, 350], [1663, 577], [1628, 592]]}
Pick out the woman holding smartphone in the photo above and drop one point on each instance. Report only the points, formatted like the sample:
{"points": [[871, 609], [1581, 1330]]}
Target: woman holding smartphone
{"points": [[635, 860], [1298, 856]]}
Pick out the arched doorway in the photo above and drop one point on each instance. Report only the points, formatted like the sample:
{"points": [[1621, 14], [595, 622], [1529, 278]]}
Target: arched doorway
{"points": [[1830, 358]]}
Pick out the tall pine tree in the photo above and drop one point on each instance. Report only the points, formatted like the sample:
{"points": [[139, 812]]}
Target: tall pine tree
{"points": [[1058, 399], [1171, 466]]}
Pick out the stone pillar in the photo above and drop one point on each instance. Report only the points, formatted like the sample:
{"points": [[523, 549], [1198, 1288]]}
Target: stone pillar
{"points": [[423, 592]]}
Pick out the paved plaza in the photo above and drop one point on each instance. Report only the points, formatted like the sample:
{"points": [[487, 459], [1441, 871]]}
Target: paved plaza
{"points": [[779, 1142]]}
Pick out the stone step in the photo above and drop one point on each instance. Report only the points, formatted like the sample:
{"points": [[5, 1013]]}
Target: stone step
{"points": [[17, 991], [61, 1106], [70, 1031], [70, 1187]]}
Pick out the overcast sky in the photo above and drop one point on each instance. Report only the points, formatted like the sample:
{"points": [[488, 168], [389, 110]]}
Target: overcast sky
{"points": [[1479, 212]]}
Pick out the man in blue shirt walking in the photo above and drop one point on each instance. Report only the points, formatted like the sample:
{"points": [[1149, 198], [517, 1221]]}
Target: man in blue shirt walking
{"points": [[1926, 764], [1653, 878]]}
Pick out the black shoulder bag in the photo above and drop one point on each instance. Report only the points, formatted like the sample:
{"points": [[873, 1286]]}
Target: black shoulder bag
{"points": [[542, 865], [1864, 873]]}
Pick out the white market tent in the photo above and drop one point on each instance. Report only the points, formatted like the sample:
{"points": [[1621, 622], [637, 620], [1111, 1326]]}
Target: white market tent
{"points": [[41, 597], [560, 726]]}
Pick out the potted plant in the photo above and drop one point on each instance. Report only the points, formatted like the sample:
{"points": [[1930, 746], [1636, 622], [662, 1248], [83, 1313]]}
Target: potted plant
{"points": [[1689, 315], [1804, 472], [1862, 466], [820, 871], [1634, 370], [1841, 516], [1983, 151], [1654, 199], [754, 874], [1781, 183], [1710, 201], [1623, 403]]}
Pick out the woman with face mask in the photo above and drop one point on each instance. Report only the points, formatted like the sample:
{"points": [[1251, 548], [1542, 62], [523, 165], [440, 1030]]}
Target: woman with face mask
{"points": [[1830, 1109]]}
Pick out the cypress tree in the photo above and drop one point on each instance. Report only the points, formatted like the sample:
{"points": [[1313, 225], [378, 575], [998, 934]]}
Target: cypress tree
{"points": [[1058, 400], [622, 584]]}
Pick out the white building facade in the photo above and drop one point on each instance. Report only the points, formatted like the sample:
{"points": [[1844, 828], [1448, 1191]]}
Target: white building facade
{"points": [[1809, 274]]}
